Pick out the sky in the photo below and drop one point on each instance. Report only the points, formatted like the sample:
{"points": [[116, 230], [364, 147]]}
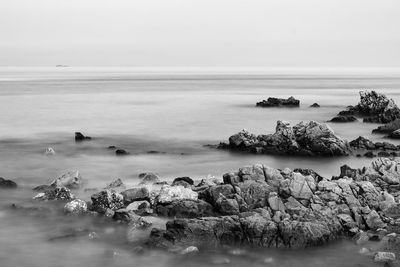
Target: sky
{"points": [[232, 33]]}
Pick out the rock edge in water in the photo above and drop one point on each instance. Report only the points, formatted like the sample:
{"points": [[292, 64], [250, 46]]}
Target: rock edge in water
{"points": [[279, 102]]}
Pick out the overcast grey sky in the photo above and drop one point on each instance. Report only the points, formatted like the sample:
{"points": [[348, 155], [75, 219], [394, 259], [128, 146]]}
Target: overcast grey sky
{"points": [[281, 33]]}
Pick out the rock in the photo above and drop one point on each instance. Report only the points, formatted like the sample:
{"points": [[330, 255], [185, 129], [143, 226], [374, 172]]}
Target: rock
{"points": [[362, 143], [136, 194], [71, 179], [395, 134], [140, 207], [49, 151], [227, 206], [121, 152], [384, 257], [374, 221], [7, 183], [116, 185], [76, 206], [185, 208], [369, 154], [306, 139], [135, 221], [374, 107], [183, 181], [107, 199], [340, 118], [79, 137], [189, 250], [149, 178], [315, 105], [388, 127], [170, 193], [55, 193], [278, 102]]}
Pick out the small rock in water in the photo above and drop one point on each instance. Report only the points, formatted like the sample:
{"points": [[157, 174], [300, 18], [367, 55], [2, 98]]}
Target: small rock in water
{"points": [[315, 105], [49, 151], [189, 250], [384, 257], [80, 137], [278, 102], [341, 118], [121, 152], [93, 235], [7, 183], [76, 206]]}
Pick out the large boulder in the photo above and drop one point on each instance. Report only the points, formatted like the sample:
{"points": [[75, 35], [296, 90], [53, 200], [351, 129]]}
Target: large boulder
{"points": [[310, 139]]}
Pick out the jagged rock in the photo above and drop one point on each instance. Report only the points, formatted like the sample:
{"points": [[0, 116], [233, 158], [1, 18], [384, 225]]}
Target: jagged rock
{"points": [[185, 208], [4, 183], [76, 206], [49, 151], [107, 199], [362, 143], [374, 107], [71, 179], [149, 178], [80, 137], [341, 118], [136, 194], [315, 105], [385, 257], [310, 139], [278, 102], [116, 185], [168, 194], [55, 193]]}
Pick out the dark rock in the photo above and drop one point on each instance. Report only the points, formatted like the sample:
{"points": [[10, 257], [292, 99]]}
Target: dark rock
{"points": [[7, 183], [135, 194], [185, 208], [185, 179], [389, 127], [112, 147], [80, 137], [395, 134], [304, 139], [107, 199], [315, 105], [341, 118], [362, 143], [384, 154], [278, 102], [121, 152], [369, 154], [346, 171]]}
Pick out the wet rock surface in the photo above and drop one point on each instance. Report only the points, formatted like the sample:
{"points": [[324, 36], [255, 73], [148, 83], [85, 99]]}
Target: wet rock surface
{"points": [[306, 139], [374, 107], [279, 102]]}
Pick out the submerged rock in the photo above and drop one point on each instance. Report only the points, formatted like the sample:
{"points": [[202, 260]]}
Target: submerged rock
{"points": [[341, 118], [307, 139], [278, 102], [71, 179], [80, 137], [4, 183]]}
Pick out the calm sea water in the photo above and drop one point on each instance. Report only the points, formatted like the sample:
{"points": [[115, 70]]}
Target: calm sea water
{"points": [[140, 111]]}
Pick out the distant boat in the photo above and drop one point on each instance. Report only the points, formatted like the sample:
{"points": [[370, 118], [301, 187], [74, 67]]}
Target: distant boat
{"points": [[62, 66]]}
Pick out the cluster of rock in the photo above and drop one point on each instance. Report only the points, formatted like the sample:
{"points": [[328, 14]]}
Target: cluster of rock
{"points": [[308, 139], [373, 107], [383, 149], [279, 102], [256, 205], [262, 206]]}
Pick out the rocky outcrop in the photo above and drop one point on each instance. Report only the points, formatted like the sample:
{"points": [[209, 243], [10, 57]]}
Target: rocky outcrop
{"points": [[55, 193], [4, 183], [388, 127], [309, 139], [366, 144], [279, 102], [315, 105], [79, 137], [262, 206], [374, 107]]}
